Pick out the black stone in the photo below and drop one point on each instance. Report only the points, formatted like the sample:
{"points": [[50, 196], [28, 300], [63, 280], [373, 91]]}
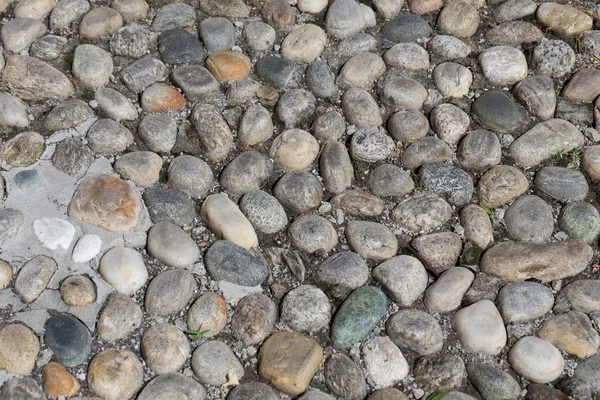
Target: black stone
{"points": [[406, 28], [169, 205], [274, 70], [498, 112], [69, 339], [179, 46]]}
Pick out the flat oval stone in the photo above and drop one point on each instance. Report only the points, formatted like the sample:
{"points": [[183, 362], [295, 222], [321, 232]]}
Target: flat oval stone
{"points": [[171, 245], [169, 205], [67, 12], [360, 108], [425, 150], [171, 386], [501, 184], [492, 382], [362, 70], [447, 292], [69, 339], [178, 46], [498, 112], [245, 173], [19, 348], [114, 373], [415, 330], [347, 17], [100, 23], [459, 18], [342, 273], [371, 145], [226, 220], [298, 191], [406, 28], [311, 233], [294, 149], [584, 86], [514, 33], [477, 225], [524, 301], [529, 218], [357, 203], [33, 79], [517, 261], [23, 149], [227, 261], [33, 277], [403, 278], [304, 44], [565, 20], [164, 348], [214, 362], [344, 377], [263, 211], [422, 212], [120, 316], [19, 33], [536, 359], [215, 135], [228, 65], [358, 315], [254, 318], [503, 65], [563, 184], [123, 268], [371, 239], [589, 372], [572, 333], [174, 16], [581, 221], [21, 387], [479, 150], [169, 292]]}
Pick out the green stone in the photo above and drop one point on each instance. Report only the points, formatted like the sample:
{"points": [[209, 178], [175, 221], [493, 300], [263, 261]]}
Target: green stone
{"points": [[498, 112], [358, 315], [493, 383], [581, 221]]}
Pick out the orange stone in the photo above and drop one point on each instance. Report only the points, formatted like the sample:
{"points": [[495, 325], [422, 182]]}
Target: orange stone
{"points": [[107, 202], [160, 97], [228, 65], [57, 381]]}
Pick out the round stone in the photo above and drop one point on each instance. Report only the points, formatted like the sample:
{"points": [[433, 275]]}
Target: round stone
{"points": [[312, 232], [440, 371], [23, 149], [448, 47], [6, 274], [422, 212], [214, 363], [501, 184], [245, 173], [452, 79], [208, 313], [164, 348], [344, 377], [360, 109], [87, 247], [306, 309], [406, 28], [553, 57], [572, 333], [298, 191], [304, 44], [259, 36], [563, 184], [19, 348], [254, 318], [171, 245], [115, 374], [58, 382], [415, 330], [120, 316], [536, 360], [529, 218], [524, 301], [158, 132], [342, 273], [479, 150], [403, 93], [390, 180], [480, 328], [162, 97], [169, 292], [580, 220], [92, 65], [403, 278], [123, 268], [108, 137], [447, 293], [425, 150], [447, 181], [78, 290], [100, 23], [217, 33], [263, 211], [371, 145], [131, 10], [227, 261], [228, 65], [503, 65], [459, 18], [371, 239], [409, 56], [408, 126], [69, 339], [492, 382], [140, 167], [191, 175], [115, 105], [362, 70], [256, 126], [294, 149]]}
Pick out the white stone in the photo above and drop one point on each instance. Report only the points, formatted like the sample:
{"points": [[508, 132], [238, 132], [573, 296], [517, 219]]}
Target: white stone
{"points": [[224, 218], [304, 44], [385, 364], [13, 111], [536, 359], [123, 268], [503, 65], [294, 149], [6, 274], [452, 79], [233, 293], [37, 9], [480, 328], [409, 56], [87, 247], [346, 17], [312, 6], [54, 232], [447, 292]]}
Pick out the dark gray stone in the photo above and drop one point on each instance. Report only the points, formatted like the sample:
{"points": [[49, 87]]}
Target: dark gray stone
{"points": [[274, 70], [72, 157], [171, 386], [179, 46], [496, 111], [295, 108], [426, 150], [390, 180], [227, 261], [563, 184], [449, 182], [174, 16], [169, 292], [320, 80], [524, 301], [69, 340], [529, 218], [48, 47], [342, 273], [492, 383], [245, 173], [439, 372], [589, 371], [575, 113], [143, 73], [27, 179], [196, 81], [169, 205], [67, 115], [252, 391], [406, 28], [344, 378], [298, 191]]}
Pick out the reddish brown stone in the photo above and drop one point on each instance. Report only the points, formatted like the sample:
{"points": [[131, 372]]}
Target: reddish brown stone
{"points": [[228, 65], [107, 202], [161, 97], [58, 381]]}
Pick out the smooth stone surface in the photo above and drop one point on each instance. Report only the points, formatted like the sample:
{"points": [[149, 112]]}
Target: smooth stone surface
{"points": [[304, 44], [120, 316], [254, 318], [566, 21], [108, 137], [123, 268], [114, 373], [100, 23], [196, 81], [403, 278], [357, 316], [425, 150], [214, 363], [371, 240], [276, 71], [406, 28], [524, 301], [362, 70], [168, 386], [477, 225], [115, 105], [263, 211], [209, 310], [480, 328], [503, 65], [294, 149], [536, 359], [298, 191], [19, 348], [19, 33], [33, 79], [311, 233], [452, 79], [306, 309], [225, 219], [227, 261], [572, 333], [33, 277], [384, 362], [563, 184], [529, 218], [501, 184], [245, 173], [581, 221], [172, 246], [447, 292], [69, 340], [492, 383], [342, 273], [517, 261], [164, 348], [169, 292], [215, 136], [360, 109], [416, 331], [537, 95], [584, 86], [344, 18], [479, 150], [439, 251], [514, 33], [390, 180], [170, 206], [140, 167], [496, 111], [588, 371], [422, 212], [459, 18], [344, 377], [191, 175]]}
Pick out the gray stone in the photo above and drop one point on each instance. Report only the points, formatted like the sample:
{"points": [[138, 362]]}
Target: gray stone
{"points": [[67, 115], [33, 79], [306, 309], [34, 275], [100, 23], [425, 150], [403, 93], [589, 372], [320, 80], [563, 184], [178, 46], [108, 137], [274, 70], [48, 47], [259, 36], [295, 108], [253, 391], [439, 251], [72, 157], [141, 167], [408, 126], [27, 179], [311, 233], [11, 223], [554, 58], [439, 372], [403, 278], [256, 126], [69, 340], [371, 145], [169, 292], [360, 108], [115, 105], [501, 184], [416, 331], [581, 221], [576, 388], [329, 126], [409, 56], [298, 191], [67, 13], [460, 19], [529, 218], [263, 211], [120, 316], [143, 73], [196, 82], [342, 273], [388, 394], [448, 47], [217, 33], [371, 239], [214, 363], [245, 173], [452, 79], [575, 113], [227, 261], [174, 16], [479, 150], [347, 17], [164, 348], [390, 180], [13, 111], [449, 182], [19, 33], [422, 212], [406, 28], [514, 33], [314, 394], [191, 175], [215, 136], [496, 111], [170, 206], [344, 378], [21, 388], [447, 293], [131, 10], [584, 86], [524, 301], [168, 386], [449, 122], [171, 245], [357, 316], [357, 203], [492, 383], [158, 132], [514, 9], [362, 70], [133, 41], [582, 295]]}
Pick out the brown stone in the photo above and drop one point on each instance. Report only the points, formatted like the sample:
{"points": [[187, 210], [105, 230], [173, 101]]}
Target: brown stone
{"points": [[19, 348], [590, 161], [564, 21], [228, 65], [420, 7], [23, 149], [584, 86], [289, 361], [537, 391], [115, 374], [518, 261], [254, 318], [160, 97], [572, 333], [501, 184], [57, 381], [33, 79], [107, 202], [354, 202], [277, 11]]}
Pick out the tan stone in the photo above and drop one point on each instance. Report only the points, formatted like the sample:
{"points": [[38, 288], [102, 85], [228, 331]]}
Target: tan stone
{"points": [[590, 161], [210, 310], [23, 150], [357, 203], [228, 65], [101, 22], [294, 149], [565, 21], [33, 79], [6, 274], [304, 44], [572, 333], [78, 291], [289, 361], [107, 202], [57, 381], [225, 219], [161, 97], [459, 18], [115, 374], [36, 9], [584, 86], [501, 184], [420, 7], [19, 348]]}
